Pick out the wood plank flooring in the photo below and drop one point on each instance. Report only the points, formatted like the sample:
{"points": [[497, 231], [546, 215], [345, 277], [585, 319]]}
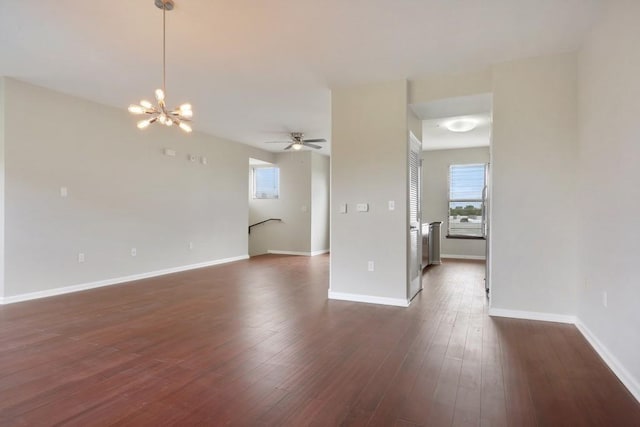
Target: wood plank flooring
{"points": [[257, 343]]}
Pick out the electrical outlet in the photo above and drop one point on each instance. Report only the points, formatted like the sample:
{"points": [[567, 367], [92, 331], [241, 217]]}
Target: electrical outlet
{"points": [[605, 299], [81, 257], [134, 252], [370, 266], [392, 205]]}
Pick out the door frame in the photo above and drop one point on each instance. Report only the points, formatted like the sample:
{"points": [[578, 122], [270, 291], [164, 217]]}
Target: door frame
{"points": [[414, 143]]}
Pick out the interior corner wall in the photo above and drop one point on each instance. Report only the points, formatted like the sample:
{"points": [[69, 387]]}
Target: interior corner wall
{"points": [[369, 166], [435, 196], [534, 206], [293, 206], [609, 108], [320, 178], [415, 124], [123, 193]]}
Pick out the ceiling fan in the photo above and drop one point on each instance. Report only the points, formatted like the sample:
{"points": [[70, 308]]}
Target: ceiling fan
{"points": [[296, 142]]}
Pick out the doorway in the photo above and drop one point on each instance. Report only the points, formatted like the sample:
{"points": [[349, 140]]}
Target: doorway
{"points": [[456, 176]]}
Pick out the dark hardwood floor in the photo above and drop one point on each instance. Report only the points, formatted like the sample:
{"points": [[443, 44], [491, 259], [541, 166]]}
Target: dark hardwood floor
{"points": [[257, 343]]}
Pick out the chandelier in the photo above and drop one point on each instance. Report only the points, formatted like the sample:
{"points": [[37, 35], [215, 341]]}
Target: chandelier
{"points": [[159, 113]]}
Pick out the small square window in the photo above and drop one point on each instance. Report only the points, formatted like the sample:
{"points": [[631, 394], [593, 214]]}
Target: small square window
{"points": [[266, 183]]}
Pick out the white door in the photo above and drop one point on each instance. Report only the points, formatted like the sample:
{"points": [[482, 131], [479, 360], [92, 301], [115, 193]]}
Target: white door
{"points": [[415, 234]]}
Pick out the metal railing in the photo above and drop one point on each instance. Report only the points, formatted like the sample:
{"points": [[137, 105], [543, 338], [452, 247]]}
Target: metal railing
{"points": [[262, 222]]}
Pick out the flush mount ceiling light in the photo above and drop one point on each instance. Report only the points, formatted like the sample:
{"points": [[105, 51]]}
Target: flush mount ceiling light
{"points": [[461, 125], [159, 113]]}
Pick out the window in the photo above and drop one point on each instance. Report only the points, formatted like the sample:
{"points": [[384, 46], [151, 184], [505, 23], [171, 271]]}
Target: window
{"points": [[266, 183], [466, 201]]}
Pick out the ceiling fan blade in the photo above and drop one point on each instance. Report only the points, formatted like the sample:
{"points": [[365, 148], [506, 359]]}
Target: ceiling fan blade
{"points": [[317, 147], [278, 142], [288, 147], [315, 140]]}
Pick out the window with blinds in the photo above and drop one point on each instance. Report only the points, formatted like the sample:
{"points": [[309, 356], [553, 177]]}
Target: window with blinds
{"points": [[466, 200], [266, 183]]}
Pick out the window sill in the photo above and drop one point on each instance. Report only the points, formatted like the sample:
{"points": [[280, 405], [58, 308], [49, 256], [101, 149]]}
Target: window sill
{"points": [[467, 237]]}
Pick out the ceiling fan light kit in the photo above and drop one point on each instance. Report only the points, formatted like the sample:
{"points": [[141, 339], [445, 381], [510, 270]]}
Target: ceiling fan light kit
{"points": [[296, 142], [159, 113]]}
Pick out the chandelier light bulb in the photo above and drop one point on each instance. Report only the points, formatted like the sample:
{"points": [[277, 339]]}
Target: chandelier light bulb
{"points": [[159, 94], [169, 122], [185, 127], [143, 124], [162, 119], [186, 113], [136, 109], [146, 104]]}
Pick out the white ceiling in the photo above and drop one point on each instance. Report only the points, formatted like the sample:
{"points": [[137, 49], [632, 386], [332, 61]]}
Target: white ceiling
{"points": [[255, 70]]}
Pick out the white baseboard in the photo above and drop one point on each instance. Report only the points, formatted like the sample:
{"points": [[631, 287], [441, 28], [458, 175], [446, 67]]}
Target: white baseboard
{"points": [[314, 253], [114, 281], [398, 302], [451, 256], [320, 252], [632, 384], [532, 315]]}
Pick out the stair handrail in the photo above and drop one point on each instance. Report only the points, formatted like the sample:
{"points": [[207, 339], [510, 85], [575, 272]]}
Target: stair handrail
{"points": [[262, 222]]}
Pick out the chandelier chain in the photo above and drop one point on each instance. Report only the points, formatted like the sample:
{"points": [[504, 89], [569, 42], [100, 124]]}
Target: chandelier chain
{"points": [[164, 49]]}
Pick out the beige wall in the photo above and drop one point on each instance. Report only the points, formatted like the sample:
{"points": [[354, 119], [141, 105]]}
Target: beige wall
{"points": [[610, 195], [299, 206], [435, 195], [123, 193], [369, 165], [534, 206], [441, 86], [2, 174], [320, 193]]}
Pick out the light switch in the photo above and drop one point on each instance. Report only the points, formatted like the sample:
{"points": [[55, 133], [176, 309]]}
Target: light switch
{"points": [[343, 208], [362, 207], [169, 152], [392, 205], [64, 192], [203, 160]]}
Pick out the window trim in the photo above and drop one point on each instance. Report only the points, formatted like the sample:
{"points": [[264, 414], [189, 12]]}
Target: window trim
{"points": [[254, 188], [482, 201]]}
